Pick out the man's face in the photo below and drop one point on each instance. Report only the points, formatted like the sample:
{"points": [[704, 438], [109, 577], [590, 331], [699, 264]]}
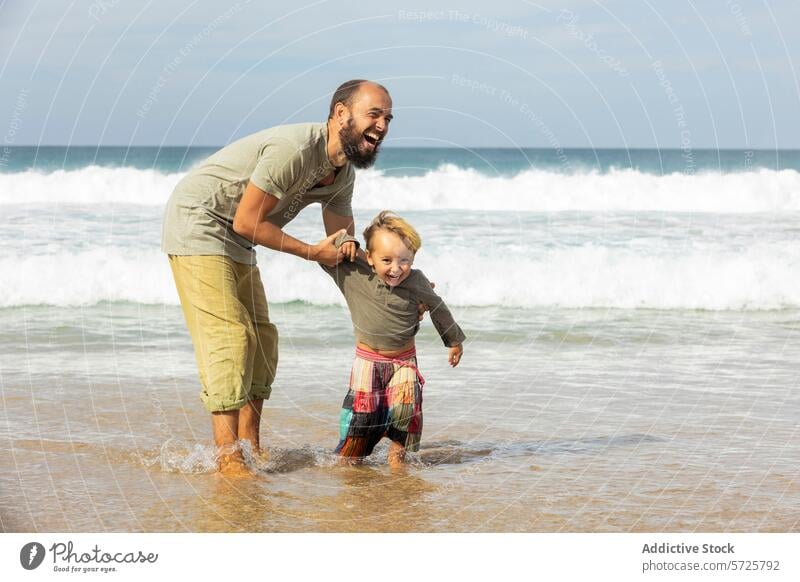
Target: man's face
{"points": [[366, 126]]}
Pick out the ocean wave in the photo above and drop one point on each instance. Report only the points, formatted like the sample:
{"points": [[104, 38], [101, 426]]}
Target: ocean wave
{"points": [[764, 277], [450, 187]]}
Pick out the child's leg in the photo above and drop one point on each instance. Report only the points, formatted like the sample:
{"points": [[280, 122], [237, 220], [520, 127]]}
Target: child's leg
{"points": [[362, 421], [405, 412], [356, 429], [397, 455]]}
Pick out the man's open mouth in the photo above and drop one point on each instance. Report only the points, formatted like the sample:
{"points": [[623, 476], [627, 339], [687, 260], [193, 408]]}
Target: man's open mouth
{"points": [[372, 139]]}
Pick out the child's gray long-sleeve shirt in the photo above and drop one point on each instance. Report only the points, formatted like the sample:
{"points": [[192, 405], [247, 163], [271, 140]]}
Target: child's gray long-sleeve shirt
{"points": [[386, 318]]}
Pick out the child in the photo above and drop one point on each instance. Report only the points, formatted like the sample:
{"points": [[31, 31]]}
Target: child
{"points": [[383, 294]]}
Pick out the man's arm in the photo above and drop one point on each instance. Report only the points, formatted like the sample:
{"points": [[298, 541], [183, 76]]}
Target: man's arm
{"points": [[251, 222], [336, 222]]}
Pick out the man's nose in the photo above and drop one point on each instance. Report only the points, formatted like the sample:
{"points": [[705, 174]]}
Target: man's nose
{"points": [[380, 125]]}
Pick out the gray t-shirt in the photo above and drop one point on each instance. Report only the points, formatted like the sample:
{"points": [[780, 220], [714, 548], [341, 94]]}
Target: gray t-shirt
{"points": [[384, 317], [286, 161]]}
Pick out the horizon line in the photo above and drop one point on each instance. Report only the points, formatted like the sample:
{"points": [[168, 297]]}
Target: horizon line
{"points": [[549, 148]]}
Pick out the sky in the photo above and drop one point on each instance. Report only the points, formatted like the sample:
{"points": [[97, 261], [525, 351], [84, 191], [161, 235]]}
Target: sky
{"points": [[508, 73]]}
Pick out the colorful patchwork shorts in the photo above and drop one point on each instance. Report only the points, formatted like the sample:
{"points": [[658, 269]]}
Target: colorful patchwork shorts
{"points": [[384, 400]]}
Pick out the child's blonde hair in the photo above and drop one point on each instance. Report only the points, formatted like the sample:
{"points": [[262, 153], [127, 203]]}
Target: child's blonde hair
{"points": [[388, 220]]}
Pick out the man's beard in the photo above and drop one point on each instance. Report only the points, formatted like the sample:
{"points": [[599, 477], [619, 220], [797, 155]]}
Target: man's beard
{"points": [[351, 146]]}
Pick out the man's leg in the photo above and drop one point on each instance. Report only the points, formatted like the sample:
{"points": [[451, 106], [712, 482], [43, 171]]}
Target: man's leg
{"points": [[224, 342], [265, 359], [250, 423], [225, 427]]}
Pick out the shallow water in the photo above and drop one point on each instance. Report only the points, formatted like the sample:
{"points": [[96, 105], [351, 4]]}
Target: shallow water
{"points": [[557, 420]]}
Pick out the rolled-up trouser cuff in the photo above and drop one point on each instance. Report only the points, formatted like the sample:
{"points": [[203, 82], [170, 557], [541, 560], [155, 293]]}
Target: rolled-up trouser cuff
{"points": [[260, 392], [213, 405]]}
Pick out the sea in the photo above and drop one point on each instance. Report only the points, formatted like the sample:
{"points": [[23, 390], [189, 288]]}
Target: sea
{"points": [[631, 363]]}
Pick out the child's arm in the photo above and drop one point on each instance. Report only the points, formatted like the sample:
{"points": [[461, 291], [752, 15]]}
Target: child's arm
{"points": [[346, 240], [442, 319]]}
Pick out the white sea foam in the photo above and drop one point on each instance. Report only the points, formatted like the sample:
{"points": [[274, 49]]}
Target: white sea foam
{"points": [[450, 187], [763, 277], [90, 185], [618, 190]]}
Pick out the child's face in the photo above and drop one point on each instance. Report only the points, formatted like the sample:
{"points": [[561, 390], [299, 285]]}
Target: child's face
{"points": [[390, 257]]}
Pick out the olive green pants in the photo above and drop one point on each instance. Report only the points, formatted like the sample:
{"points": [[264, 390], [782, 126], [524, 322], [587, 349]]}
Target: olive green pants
{"points": [[235, 345]]}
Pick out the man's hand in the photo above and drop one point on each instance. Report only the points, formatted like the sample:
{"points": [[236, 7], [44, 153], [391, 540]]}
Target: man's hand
{"points": [[348, 251], [325, 252], [334, 222], [454, 355]]}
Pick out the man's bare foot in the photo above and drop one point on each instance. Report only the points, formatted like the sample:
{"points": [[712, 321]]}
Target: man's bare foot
{"points": [[233, 465], [260, 458]]}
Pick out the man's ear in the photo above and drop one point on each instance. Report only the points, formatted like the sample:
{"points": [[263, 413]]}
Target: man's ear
{"points": [[340, 112]]}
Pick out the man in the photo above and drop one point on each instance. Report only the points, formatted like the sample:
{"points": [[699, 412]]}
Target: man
{"points": [[244, 195]]}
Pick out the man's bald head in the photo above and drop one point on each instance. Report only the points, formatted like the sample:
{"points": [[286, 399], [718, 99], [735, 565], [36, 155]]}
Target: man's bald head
{"points": [[347, 91]]}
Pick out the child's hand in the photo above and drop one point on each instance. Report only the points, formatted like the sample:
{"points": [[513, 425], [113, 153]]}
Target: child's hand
{"points": [[348, 251], [454, 355]]}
